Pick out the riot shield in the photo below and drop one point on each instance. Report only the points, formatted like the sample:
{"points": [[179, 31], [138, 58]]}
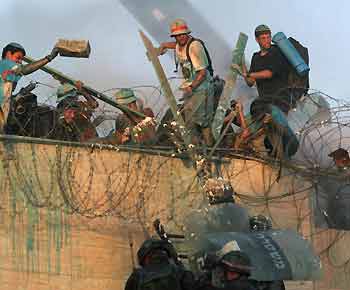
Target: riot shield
{"points": [[225, 217], [275, 254]]}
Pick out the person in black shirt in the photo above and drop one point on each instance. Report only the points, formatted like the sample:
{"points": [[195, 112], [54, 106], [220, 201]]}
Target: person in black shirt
{"points": [[269, 71]]}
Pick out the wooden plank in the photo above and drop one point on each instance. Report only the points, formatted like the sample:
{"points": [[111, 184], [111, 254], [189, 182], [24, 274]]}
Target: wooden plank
{"points": [[230, 85], [152, 54]]}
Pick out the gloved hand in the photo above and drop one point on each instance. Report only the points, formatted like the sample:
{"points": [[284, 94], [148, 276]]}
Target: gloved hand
{"points": [[53, 54]]}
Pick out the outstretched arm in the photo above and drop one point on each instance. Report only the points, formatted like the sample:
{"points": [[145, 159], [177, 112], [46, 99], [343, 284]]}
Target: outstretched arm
{"points": [[260, 75], [245, 133], [166, 45], [250, 78], [34, 66], [242, 121]]}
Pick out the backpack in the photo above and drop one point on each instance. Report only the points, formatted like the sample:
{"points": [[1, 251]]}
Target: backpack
{"points": [[298, 85], [210, 65], [159, 277]]}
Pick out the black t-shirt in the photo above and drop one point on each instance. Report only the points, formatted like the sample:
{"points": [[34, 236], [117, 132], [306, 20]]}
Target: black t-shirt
{"points": [[275, 62]]}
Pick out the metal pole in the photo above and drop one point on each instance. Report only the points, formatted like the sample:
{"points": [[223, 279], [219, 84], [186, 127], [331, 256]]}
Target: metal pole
{"points": [[93, 92]]}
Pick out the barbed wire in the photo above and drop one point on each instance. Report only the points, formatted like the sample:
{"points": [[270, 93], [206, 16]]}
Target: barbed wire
{"points": [[82, 181]]}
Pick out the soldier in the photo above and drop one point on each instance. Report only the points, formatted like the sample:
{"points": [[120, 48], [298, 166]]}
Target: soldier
{"points": [[159, 269], [68, 94], [75, 113], [198, 87], [230, 272], [12, 70], [133, 129]]}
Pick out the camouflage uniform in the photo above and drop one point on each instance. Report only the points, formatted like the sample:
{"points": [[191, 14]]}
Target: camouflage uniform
{"points": [[125, 126]]}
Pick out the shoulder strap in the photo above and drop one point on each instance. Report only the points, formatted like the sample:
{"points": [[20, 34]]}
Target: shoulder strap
{"points": [[303, 51], [176, 62], [210, 66]]}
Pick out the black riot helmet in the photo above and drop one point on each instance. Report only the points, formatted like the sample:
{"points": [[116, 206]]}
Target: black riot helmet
{"points": [[260, 223], [234, 262], [153, 245]]}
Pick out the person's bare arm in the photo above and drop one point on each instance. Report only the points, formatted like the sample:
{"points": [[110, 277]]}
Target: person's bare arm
{"points": [[259, 75], [169, 45], [245, 133], [241, 118], [230, 116], [250, 78], [166, 45], [199, 78], [36, 65]]}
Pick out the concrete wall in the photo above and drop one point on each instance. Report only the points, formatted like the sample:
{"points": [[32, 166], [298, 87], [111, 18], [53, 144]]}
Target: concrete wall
{"points": [[73, 217]]}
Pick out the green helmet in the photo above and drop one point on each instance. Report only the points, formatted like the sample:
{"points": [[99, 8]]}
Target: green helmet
{"points": [[236, 261], [261, 29], [125, 96], [152, 244], [66, 90]]}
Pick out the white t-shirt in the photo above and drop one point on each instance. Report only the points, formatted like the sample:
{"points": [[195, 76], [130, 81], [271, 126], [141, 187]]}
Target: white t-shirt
{"points": [[198, 57]]}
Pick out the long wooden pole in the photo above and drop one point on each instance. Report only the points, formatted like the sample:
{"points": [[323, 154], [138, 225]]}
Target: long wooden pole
{"points": [[98, 95]]}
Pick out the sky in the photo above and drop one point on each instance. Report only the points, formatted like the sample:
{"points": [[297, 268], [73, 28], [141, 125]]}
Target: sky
{"points": [[118, 56]]}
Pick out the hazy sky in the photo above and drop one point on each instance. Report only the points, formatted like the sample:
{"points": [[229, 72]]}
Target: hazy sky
{"points": [[118, 57]]}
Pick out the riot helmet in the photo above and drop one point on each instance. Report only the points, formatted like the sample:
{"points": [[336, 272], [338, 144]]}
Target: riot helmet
{"points": [[233, 266], [160, 248]]}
